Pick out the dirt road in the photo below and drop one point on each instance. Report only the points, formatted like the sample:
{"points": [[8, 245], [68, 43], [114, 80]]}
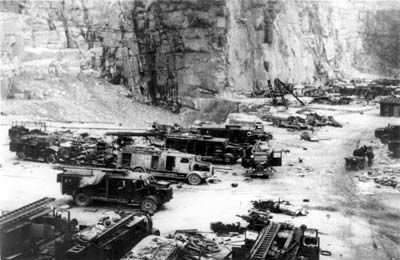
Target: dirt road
{"points": [[355, 220]]}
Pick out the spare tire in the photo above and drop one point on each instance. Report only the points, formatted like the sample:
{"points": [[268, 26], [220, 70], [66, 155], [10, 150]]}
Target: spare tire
{"points": [[51, 158], [21, 156]]}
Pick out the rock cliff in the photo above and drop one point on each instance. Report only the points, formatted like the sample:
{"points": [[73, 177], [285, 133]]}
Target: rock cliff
{"points": [[169, 52]]}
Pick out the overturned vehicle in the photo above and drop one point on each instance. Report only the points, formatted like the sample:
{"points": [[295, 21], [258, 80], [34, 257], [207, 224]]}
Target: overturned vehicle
{"points": [[87, 184]]}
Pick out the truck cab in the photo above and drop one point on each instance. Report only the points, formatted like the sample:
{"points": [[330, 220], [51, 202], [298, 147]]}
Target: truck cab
{"points": [[86, 184], [165, 164]]}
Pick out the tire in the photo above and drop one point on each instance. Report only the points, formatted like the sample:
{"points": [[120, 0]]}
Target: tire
{"points": [[228, 159], [148, 205], [51, 158], [21, 156], [194, 179], [82, 199], [139, 169], [155, 232]]}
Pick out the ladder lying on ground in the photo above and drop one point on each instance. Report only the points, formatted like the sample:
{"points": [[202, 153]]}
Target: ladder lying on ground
{"points": [[31, 210], [264, 241]]}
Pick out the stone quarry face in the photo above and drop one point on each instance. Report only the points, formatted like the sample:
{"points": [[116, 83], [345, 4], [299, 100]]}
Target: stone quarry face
{"points": [[169, 52]]}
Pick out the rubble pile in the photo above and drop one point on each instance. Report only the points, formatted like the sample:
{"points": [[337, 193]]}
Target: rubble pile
{"points": [[153, 247], [224, 229], [385, 177], [194, 240]]}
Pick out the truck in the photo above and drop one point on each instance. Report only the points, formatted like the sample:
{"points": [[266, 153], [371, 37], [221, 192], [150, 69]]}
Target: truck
{"points": [[87, 184], [165, 164], [390, 132], [235, 133], [394, 147], [36, 147], [209, 148]]}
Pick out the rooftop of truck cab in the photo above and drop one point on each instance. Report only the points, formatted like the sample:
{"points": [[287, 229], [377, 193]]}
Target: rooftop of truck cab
{"points": [[113, 173], [198, 138]]}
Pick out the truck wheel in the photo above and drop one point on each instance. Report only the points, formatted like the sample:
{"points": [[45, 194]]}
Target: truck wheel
{"points": [[51, 158], [194, 179], [155, 232], [228, 159], [21, 156], [139, 169], [148, 205], [82, 199]]}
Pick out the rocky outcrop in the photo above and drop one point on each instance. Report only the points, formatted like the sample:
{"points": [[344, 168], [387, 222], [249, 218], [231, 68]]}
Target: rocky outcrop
{"points": [[169, 52]]}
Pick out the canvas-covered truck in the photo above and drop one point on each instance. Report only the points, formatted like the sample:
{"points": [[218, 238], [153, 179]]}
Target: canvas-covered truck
{"points": [[209, 148], [235, 133], [86, 184], [165, 164]]}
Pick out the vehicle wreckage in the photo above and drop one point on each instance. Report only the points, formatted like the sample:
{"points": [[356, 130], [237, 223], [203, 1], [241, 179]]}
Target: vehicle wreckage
{"points": [[358, 160], [39, 231], [209, 148], [87, 184], [280, 241], [165, 164]]}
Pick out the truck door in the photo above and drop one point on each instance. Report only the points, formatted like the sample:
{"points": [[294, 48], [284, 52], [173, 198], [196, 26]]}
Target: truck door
{"points": [[136, 190], [154, 162], [183, 165], [170, 163], [126, 160], [117, 188], [276, 159]]}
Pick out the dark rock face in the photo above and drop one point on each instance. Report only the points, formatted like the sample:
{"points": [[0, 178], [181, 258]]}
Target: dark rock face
{"points": [[381, 42], [168, 52], [181, 48]]}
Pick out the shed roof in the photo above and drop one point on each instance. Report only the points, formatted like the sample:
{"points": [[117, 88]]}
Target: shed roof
{"points": [[391, 100]]}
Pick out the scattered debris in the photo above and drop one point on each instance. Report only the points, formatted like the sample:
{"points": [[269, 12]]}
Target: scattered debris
{"points": [[331, 100], [213, 180], [309, 137], [280, 206], [225, 229]]}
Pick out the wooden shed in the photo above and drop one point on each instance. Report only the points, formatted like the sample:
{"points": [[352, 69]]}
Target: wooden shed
{"points": [[390, 106]]}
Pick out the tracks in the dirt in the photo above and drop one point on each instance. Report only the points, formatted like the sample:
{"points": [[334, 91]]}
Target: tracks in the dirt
{"points": [[365, 206]]}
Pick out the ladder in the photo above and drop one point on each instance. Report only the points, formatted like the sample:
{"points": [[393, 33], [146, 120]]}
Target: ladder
{"points": [[264, 241], [26, 211]]}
